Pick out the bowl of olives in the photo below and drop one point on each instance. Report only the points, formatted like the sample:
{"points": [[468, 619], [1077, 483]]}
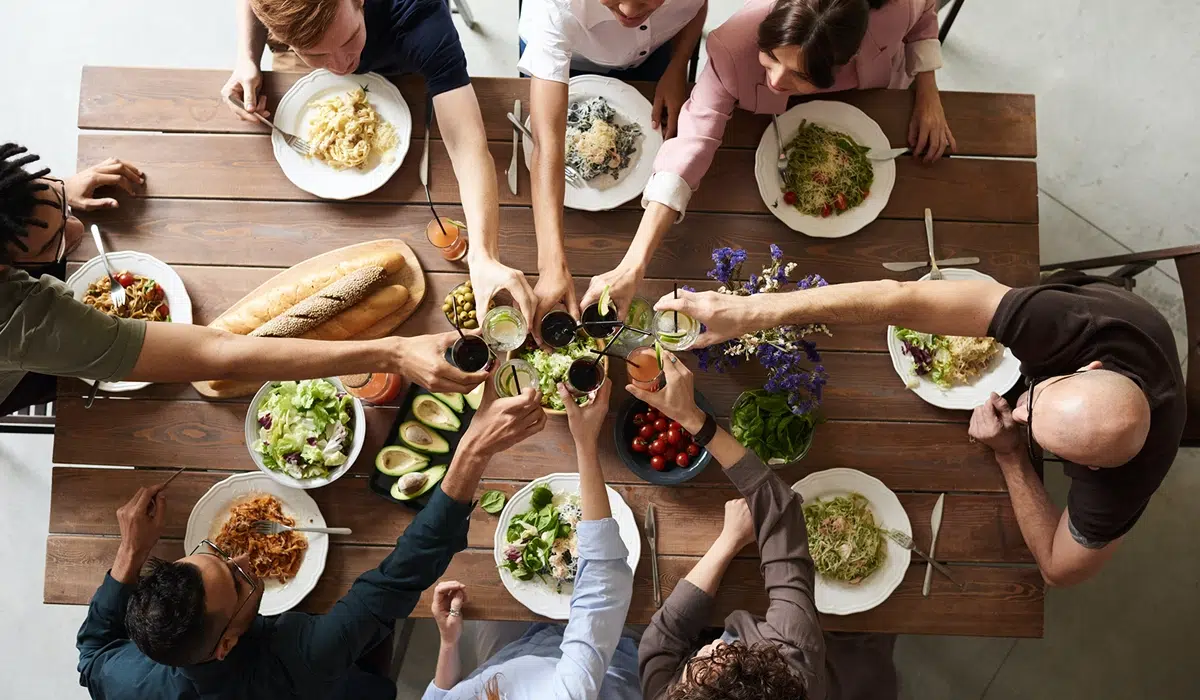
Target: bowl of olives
{"points": [[462, 300]]}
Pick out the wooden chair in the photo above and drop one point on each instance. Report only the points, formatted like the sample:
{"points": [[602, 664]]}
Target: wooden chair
{"points": [[35, 419], [1187, 260], [945, 30]]}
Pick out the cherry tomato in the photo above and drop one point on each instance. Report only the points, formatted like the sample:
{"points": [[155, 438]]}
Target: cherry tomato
{"points": [[639, 419], [657, 463], [164, 311], [660, 425], [693, 450], [674, 437], [647, 431], [658, 447], [840, 201], [670, 453], [789, 197], [639, 445], [125, 278], [866, 193], [825, 210], [157, 294], [674, 425], [682, 459]]}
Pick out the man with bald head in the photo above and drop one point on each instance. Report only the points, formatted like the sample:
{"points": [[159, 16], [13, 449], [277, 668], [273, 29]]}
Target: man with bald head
{"points": [[1104, 390]]}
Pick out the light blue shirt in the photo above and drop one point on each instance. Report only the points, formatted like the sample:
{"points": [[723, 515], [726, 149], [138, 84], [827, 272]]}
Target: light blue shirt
{"points": [[585, 660]]}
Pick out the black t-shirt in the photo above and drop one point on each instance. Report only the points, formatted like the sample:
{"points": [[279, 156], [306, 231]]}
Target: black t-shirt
{"points": [[1074, 319], [414, 36]]}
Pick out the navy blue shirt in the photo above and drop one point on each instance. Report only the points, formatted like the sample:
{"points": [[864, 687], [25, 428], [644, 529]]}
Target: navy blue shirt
{"points": [[414, 36], [293, 655]]}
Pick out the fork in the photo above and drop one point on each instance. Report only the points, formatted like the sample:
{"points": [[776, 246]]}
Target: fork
{"points": [[934, 272], [781, 163], [571, 174], [270, 527], [116, 291], [906, 542], [295, 143]]}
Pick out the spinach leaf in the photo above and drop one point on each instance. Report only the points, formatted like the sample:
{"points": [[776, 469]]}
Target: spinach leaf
{"points": [[540, 498], [492, 501]]}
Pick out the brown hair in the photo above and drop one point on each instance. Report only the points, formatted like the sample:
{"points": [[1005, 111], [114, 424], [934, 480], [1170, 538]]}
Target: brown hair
{"points": [[298, 23], [828, 32], [739, 672]]}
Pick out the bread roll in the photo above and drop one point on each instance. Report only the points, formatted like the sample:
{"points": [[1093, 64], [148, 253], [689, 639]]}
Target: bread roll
{"points": [[323, 305], [366, 313]]}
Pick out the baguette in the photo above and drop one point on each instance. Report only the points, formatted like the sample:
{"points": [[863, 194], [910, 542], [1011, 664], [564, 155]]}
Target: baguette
{"points": [[366, 313], [323, 305], [270, 303]]}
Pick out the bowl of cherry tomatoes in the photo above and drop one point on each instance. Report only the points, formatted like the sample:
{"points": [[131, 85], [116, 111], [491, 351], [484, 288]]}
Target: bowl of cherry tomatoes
{"points": [[657, 448]]}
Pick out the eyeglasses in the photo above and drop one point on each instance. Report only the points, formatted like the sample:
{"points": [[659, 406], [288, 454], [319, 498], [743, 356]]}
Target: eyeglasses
{"points": [[1032, 446], [237, 571]]}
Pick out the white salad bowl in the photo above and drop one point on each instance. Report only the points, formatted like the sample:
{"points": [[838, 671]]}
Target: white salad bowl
{"points": [[358, 423]]}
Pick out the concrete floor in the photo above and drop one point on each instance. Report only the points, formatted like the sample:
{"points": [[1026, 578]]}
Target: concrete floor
{"points": [[1115, 83]]}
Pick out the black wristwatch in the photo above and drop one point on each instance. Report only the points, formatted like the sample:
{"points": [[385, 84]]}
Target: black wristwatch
{"points": [[705, 434]]}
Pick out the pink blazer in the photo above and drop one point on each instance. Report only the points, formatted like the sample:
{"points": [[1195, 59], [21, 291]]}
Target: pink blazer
{"points": [[901, 40]]}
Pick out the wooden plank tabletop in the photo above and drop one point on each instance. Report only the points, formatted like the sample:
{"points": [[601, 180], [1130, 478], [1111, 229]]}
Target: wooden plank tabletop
{"points": [[219, 210]]}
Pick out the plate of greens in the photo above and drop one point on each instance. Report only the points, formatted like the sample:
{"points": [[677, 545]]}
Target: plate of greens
{"points": [[536, 547], [552, 365], [764, 423], [858, 567]]}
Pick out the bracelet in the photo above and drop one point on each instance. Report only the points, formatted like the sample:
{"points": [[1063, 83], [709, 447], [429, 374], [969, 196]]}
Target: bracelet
{"points": [[707, 432]]}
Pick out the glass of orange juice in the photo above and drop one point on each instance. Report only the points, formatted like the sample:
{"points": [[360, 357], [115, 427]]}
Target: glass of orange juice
{"points": [[644, 368], [448, 236]]}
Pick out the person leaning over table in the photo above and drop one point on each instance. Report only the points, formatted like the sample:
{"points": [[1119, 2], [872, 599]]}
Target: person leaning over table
{"points": [[391, 37], [45, 332], [1102, 374], [767, 53], [782, 655], [622, 39], [191, 628], [589, 657]]}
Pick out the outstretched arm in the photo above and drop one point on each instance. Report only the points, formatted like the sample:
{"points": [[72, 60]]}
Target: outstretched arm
{"points": [[548, 121]]}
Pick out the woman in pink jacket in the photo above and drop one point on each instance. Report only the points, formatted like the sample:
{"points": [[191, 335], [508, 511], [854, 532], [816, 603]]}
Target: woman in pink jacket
{"points": [[768, 52]]}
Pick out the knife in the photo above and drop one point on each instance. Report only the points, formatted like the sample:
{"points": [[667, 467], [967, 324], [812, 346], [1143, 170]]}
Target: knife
{"points": [[882, 154], [935, 524], [906, 266], [423, 170], [512, 165], [652, 540]]}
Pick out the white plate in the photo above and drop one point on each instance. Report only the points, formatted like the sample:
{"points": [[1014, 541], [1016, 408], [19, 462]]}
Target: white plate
{"points": [[539, 597], [843, 118], [358, 423], [146, 266], [312, 175], [1002, 374], [212, 510], [601, 193], [838, 598]]}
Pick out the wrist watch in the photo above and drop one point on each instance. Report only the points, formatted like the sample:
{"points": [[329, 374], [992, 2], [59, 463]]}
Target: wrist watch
{"points": [[706, 432]]}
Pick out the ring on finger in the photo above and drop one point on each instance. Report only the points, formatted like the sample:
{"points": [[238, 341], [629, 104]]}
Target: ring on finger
{"points": [[674, 359], [454, 613]]}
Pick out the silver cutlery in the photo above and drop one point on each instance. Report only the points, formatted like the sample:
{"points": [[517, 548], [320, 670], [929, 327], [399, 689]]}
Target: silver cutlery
{"points": [[935, 273], [423, 168], [270, 527], [116, 291], [906, 542], [781, 162], [885, 154], [948, 262], [651, 530], [512, 165], [572, 176], [935, 525], [294, 142]]}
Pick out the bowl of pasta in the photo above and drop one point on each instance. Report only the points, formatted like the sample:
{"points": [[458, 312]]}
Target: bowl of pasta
{"points": [[359, 128], [153, 293]]}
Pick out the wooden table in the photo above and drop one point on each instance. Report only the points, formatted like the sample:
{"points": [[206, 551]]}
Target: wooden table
{"points": [[220, 211]]}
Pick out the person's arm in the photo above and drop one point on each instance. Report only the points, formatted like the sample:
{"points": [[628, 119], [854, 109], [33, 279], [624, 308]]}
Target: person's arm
{"points": [[448, 600], [548, 121], [929, 134], [671, 90], [244, 85]]}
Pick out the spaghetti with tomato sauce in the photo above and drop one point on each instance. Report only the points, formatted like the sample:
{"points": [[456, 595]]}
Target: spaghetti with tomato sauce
{"points": [[144, 298]]}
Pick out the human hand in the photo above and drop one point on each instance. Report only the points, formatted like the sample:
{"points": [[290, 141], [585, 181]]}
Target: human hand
{"points": [[142, 519], [738, 528], [676, 400], [622, 283], [928, 132], [669, 95], [489, 276], [554, 286], [502, 423], [245, 84], [449, 598], [586, 421], [724, 316], [422, 358], [82, 185], [992, 424]]}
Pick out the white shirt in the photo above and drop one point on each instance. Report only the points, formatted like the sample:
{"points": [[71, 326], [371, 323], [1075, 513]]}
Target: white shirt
{"points": [[584, 33]]}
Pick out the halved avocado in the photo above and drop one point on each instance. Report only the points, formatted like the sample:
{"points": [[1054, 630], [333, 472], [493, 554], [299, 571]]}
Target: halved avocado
{"points": [[422, 439], [454, 401], [476, 397], [395, 460], [435, 414], [432, 475]]}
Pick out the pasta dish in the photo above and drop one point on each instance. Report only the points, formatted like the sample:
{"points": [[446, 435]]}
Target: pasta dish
{"points": [[596, 144], [271, 556], [843, 538], [144, 298], [827, 172], [346, 130], [948, 360]]}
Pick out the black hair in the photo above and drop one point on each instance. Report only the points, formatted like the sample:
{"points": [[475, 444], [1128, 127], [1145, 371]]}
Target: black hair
{"points": [[19, 196], [166, 618], [828, 32]]}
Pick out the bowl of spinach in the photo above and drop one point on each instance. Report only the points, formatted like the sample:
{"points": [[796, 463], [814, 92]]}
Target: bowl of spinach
{"points": [[763, 422]]}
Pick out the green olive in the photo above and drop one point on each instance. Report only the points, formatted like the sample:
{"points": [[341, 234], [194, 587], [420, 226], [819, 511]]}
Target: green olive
{"points": [[466, 284], [469, 296], [469, 324], [471, 314]]}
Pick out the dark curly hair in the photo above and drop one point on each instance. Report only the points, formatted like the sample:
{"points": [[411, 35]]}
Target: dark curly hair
{"points": [[828, 32], [739, 672], [166, 618], [19, 196]]}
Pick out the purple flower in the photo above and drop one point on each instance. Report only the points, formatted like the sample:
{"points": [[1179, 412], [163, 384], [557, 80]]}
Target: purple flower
{"points": [[751, 284], [812, 281], [776, 253], [264, 421]]}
